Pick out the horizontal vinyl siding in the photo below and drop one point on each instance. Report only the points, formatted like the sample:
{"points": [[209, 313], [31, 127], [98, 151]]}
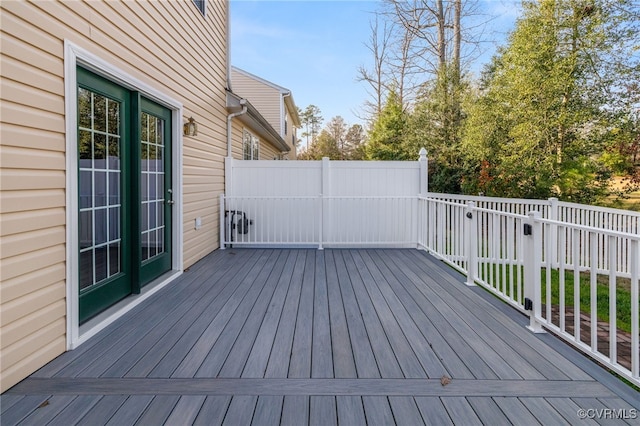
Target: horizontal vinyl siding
{"points": [[167, 45], [265, 98]]}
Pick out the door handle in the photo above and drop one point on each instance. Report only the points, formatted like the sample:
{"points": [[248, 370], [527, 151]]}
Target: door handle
{"points": [[169, 199]]}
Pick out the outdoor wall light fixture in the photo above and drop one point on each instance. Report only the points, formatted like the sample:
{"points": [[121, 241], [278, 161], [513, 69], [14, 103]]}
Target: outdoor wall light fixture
{"points": [[190, 128]]}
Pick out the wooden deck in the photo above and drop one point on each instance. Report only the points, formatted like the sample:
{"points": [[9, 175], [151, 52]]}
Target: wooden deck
{"points": [[320, 337]]}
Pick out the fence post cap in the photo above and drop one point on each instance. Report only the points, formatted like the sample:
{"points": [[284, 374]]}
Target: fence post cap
{"points": [[423, 153]]}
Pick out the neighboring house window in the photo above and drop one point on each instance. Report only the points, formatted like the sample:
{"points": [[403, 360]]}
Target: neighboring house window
{"points": [[285, 125], [250, 146], [200, 4]]}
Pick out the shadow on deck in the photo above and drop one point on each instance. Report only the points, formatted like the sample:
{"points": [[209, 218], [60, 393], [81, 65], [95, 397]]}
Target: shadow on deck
{"points": [[320, 337]]}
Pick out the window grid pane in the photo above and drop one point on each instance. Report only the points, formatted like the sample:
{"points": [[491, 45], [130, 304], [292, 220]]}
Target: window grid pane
{"points": [[99, 186], [152, 186]]}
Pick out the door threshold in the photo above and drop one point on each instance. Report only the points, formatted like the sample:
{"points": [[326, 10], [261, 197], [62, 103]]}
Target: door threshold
{"points": [[104, 319]]}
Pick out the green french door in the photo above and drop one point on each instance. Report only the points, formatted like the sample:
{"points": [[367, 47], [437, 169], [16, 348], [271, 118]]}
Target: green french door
{"points": [[124, 192]]}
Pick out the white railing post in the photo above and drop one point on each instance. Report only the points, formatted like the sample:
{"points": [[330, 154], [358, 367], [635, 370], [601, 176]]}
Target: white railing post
{"points": [[552, 257], [532, 230], [424, 172], [423, 191], [634, 257], [222, 222], [471, 243], [325, 226]]}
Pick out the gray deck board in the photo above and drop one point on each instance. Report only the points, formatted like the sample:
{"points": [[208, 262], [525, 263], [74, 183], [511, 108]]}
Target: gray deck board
{"points": [[295, 410], [343, 362], [186, 410], [323, 411], [433, 411], [518, 413], [268, 410], [300, 362], [405, 410], [240, 411], [131, 410], [212, 411], [350, 410], [278, 364], [365, 361], [301, 336], [321, 358]]}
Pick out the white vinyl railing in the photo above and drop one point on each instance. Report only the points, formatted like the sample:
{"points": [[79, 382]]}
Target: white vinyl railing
{"points": [[557, 272], [321, 221]]}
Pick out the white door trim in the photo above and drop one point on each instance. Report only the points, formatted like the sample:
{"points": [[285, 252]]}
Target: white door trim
{"points": [[75, 55]]}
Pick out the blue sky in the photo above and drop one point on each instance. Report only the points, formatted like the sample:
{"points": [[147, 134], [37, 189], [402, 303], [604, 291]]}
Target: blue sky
{"points": [[314, 48]]}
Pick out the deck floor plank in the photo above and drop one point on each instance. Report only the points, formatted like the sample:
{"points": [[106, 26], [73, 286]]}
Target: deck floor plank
{"points": [[256, 364], [45, 413], [300, 362], [279, 359], [189, 366], [405, 411], [23, 408], [295, 410], [77, 409], [518, 413], [268, 410], [365, 361], [321, 358], [323, 411], [342, 354], [157, 307], [436, 325], [301, 336], [544, 412], [398, 343], [236, 360], [433, 411], [224, 344], [385, 357], [240, 411], [213, 410], [172, 348], [132, 408], [377, 410], [350, 410], [547, 364]]}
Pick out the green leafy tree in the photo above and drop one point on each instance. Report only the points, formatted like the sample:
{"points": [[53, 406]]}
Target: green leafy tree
{"points": [[386, 138], [547, 101]]}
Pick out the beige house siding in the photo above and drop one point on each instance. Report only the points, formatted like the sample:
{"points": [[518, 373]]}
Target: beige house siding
{"points": [[265, 98], [267, 150], [169, 46]]}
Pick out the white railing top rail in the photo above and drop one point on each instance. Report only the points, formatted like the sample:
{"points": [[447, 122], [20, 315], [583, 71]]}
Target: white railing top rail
{"points": [[463, 197], [593, 229], [599, 209]]}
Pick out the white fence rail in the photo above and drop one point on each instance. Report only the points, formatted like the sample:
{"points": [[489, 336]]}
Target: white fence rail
{"points": [[578, 296], [574, 269]]}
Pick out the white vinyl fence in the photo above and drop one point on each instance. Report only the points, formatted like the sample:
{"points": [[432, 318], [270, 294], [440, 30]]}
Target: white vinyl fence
{"points": [[574, 269]]}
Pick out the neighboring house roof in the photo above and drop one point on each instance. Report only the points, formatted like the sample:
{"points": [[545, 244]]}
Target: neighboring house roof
{"points": [[253, 119], [286, 93]]}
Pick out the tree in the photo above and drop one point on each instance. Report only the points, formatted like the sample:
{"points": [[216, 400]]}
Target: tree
{"points": [[311, 120], [549, 97], [355, 143], [337, 130], [386, 138]]}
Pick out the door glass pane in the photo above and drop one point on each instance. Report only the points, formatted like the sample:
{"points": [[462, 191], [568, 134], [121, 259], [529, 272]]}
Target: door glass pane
{"points": [[99, 187], [152, 185]]}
